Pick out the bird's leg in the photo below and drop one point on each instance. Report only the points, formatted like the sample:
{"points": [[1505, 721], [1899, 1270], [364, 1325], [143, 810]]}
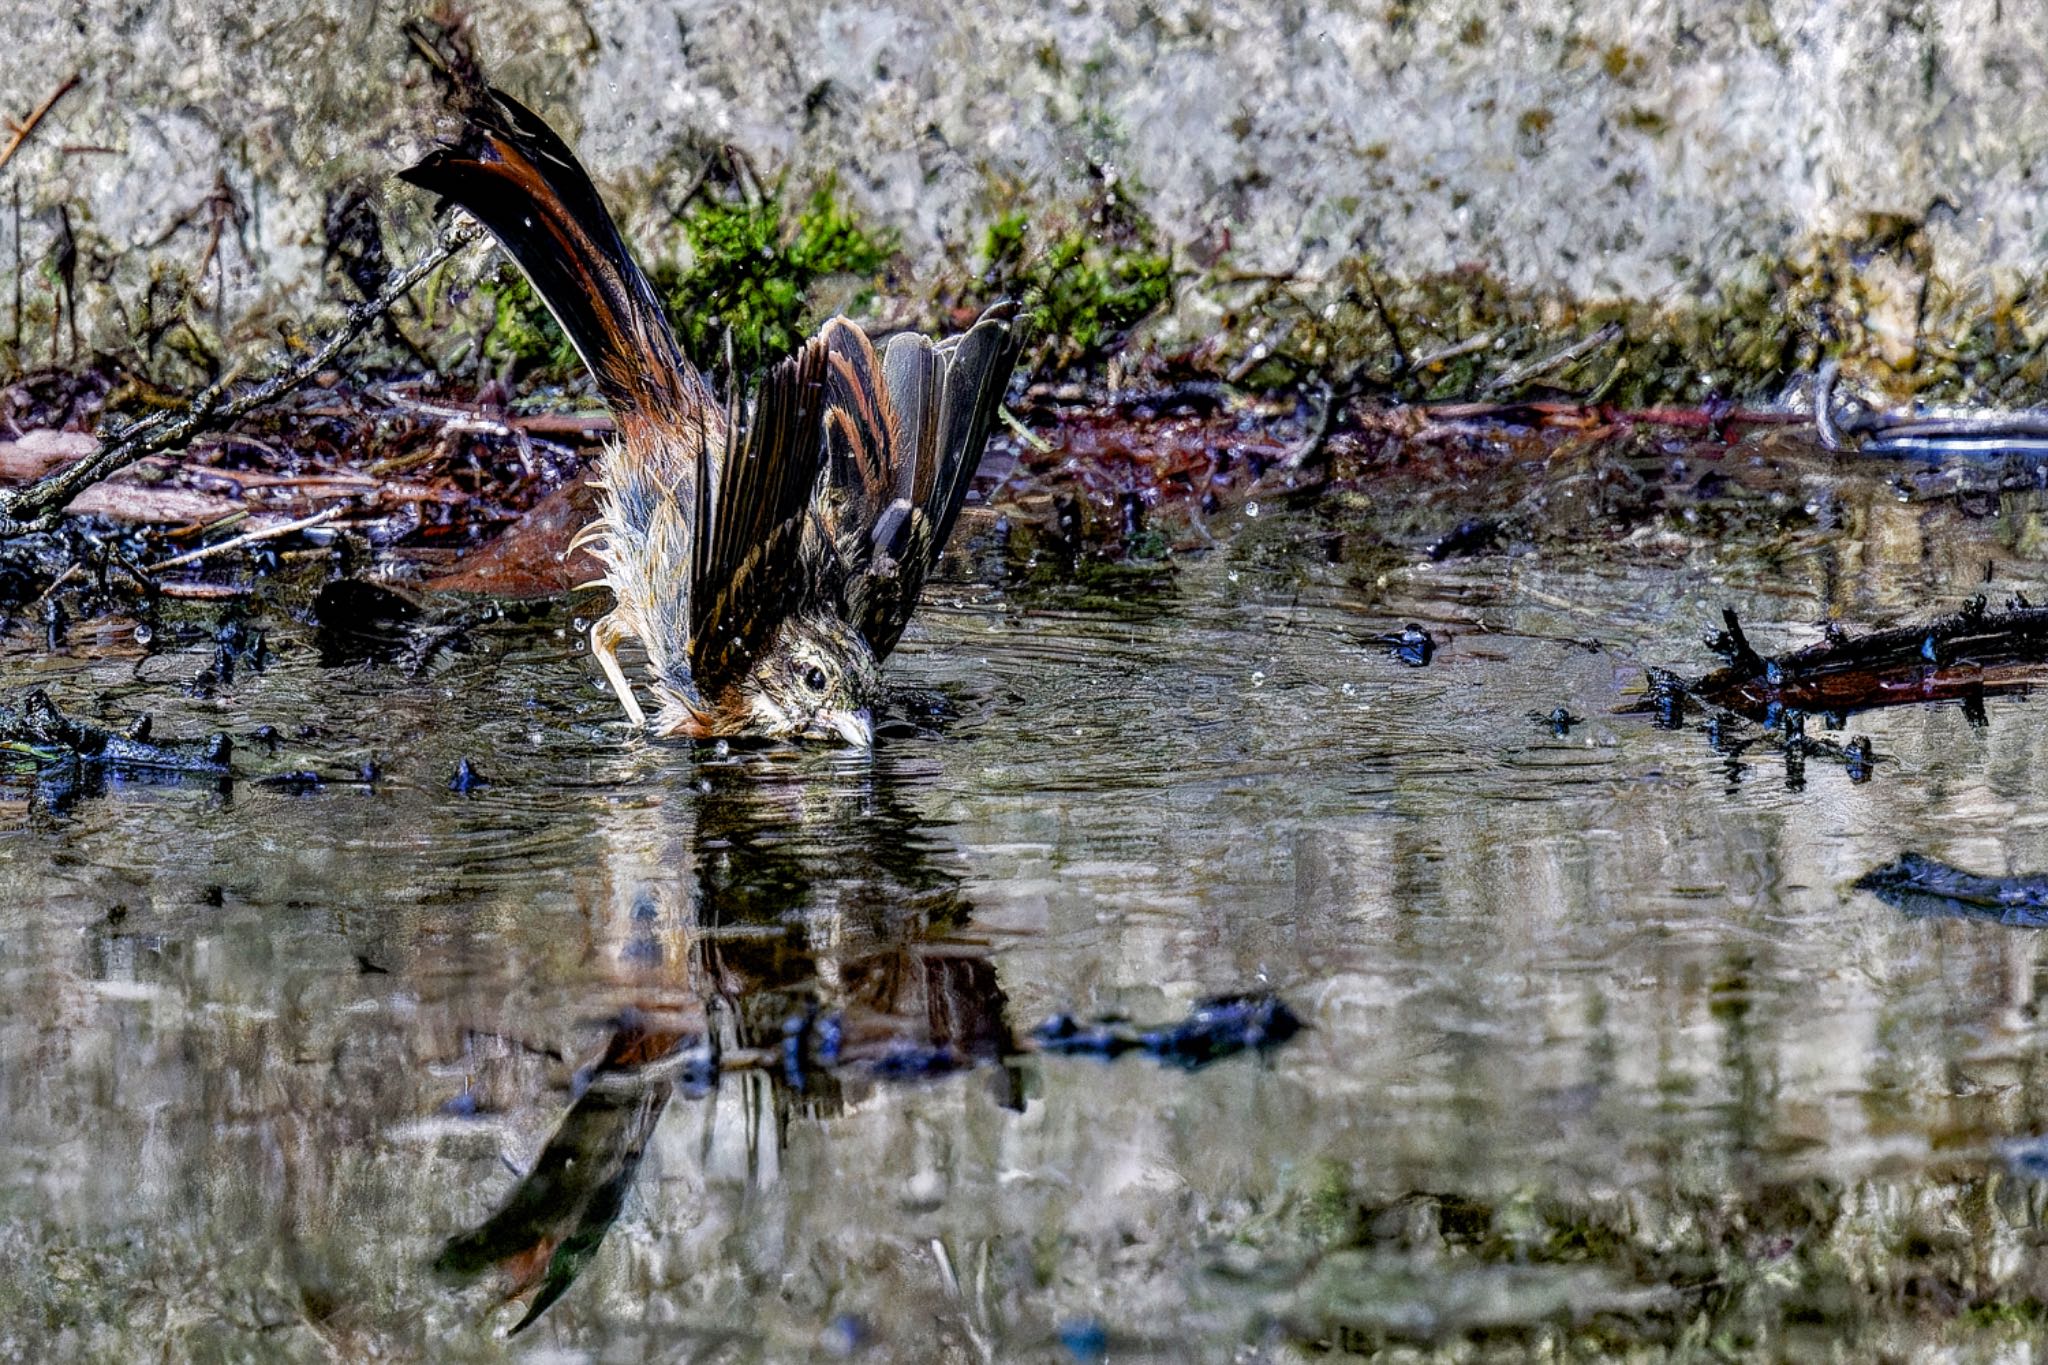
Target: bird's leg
{"points": [[604, 643]]}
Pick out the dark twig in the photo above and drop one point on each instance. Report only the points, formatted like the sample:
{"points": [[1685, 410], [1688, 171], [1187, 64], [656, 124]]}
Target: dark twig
{"points": [[1337, 396], [37, 507], [17, 273], [697, 184], [1379, 307]]}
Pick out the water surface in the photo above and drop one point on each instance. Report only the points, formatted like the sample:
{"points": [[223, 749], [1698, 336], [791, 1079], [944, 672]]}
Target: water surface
{"points": [[1606, 1049]]}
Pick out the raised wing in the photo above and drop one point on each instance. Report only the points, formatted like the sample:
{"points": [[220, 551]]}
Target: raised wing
{"points": [[903, 435], [746, 574]]}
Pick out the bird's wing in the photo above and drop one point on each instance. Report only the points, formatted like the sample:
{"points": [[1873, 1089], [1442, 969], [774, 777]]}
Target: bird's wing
{"points": [[861, 431], [903, 436], [746, 574]]}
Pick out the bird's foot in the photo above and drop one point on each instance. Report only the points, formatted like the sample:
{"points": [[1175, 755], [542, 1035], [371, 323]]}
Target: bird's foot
{"points": [[604, 644]]}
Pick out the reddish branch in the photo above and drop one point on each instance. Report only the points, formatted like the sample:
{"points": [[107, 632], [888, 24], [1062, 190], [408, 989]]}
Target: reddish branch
{"points": [[28, 125]]}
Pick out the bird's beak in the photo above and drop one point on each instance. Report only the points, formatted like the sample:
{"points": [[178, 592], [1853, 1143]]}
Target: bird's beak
{"points": [[855, 727]]}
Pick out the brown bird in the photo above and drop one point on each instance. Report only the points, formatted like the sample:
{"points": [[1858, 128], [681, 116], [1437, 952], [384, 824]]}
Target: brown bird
{"points": [[766, 555]]}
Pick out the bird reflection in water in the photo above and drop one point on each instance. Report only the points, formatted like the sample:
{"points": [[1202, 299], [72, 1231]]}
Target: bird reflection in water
{"points": [[820, 953]]}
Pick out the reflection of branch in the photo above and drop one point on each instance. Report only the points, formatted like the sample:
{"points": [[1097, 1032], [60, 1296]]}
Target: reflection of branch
{"points": [[552, 1223], [36, 507], [557, 1216]]}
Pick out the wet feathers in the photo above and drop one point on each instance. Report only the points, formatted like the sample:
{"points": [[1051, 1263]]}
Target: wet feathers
{"points": [[768, 551]]}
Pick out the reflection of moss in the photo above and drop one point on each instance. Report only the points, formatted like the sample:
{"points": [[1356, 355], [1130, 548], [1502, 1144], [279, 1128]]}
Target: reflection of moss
{"points": [[751, 272], [2027, 1316], [1084, 289], [1659, 1274]]}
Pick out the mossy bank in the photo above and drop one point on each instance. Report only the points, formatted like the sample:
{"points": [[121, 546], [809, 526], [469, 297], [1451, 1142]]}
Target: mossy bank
{"points": [[1226, 183]]}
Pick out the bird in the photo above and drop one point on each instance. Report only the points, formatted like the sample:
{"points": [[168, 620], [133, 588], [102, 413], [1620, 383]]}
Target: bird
{"points": [[768, 549]]}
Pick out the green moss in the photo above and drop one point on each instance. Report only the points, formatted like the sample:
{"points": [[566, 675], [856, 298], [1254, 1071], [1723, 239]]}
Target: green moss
{"points": [[1871, 298], [751, 270], [2018, 1316], [1083, 289], [522, 331]]}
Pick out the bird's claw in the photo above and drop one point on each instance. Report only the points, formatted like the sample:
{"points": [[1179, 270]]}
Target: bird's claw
{"points": [[604, 645]]}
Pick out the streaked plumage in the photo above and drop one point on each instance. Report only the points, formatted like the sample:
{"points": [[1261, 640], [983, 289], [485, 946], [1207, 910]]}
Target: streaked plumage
{"points": [[766, 554]]}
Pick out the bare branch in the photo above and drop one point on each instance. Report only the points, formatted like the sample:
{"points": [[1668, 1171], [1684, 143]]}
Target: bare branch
{"points": [[37, 507], [1513, 379]]}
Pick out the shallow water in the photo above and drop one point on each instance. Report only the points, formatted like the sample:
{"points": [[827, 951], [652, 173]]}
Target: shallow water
{"points": [[1606, 1050]]}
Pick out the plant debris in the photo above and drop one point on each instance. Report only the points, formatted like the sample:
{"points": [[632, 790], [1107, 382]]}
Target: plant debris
{"points": [[1925, 886], [38, 733], [547, 1230], [1966, 657]]}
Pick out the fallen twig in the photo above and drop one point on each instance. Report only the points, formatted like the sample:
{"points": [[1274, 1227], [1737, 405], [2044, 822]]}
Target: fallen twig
{"points": [[37, 507], [28, 125], [1024, 433], [1336, 397], [250, 538], [2020, 432], [1824, 404], [1478, 342], [1584, 346], [1567, 412]]}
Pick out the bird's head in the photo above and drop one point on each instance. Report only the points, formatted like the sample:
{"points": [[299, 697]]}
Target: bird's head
{"points": [[817, 679]]}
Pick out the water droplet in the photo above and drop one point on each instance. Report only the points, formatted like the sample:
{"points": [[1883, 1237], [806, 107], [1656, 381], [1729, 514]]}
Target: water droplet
{"points": [[1251, 509], [144, 632]]}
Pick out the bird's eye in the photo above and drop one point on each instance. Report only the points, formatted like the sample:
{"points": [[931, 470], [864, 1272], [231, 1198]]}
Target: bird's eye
{"points": [[814, 678]]}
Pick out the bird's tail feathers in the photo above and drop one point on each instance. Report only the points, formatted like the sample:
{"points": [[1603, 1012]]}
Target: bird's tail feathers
{"points": [[511, 172]]}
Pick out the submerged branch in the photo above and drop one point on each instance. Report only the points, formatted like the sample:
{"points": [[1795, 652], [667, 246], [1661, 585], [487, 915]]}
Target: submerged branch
{"points": [[37, 506]]}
